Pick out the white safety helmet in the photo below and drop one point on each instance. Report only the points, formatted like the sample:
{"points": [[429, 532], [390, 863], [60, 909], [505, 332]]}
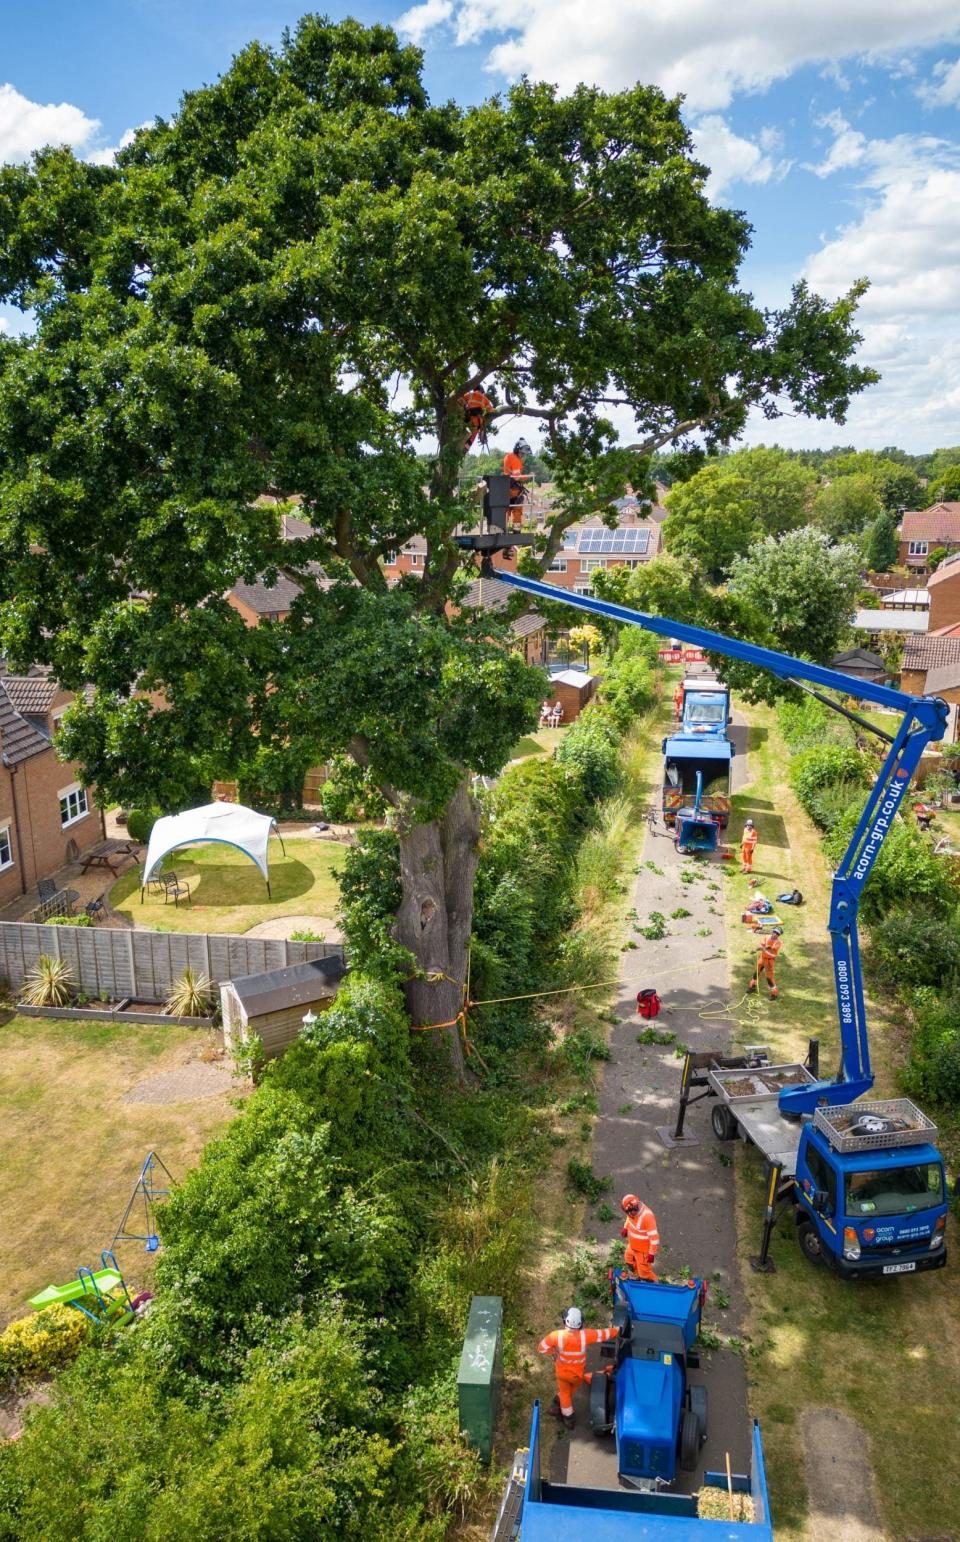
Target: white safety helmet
{"points": [[573, 1318], [749, 825]]}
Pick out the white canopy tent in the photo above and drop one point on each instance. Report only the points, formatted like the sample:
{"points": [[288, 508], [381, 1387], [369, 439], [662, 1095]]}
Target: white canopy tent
{"points": [[230, 824]]}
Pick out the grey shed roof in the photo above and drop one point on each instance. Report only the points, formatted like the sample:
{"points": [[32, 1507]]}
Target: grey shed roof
{"points": [[295, 986], [945, 678]]}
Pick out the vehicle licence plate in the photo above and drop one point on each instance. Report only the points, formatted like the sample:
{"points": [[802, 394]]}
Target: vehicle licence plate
{"points": [[899, 1268]]}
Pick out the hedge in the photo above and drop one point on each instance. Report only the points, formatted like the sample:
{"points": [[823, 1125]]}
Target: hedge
{"points": [[34, 1345]]}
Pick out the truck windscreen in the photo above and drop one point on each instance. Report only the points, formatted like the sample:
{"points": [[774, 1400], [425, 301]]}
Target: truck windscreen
{"points": [[705, 712], [894, 1190]]}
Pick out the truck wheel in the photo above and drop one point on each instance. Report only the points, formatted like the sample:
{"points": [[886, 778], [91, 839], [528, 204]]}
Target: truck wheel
{"points": [[723, 1121], [698, 1402], [809, 1241], [689, 1440]]}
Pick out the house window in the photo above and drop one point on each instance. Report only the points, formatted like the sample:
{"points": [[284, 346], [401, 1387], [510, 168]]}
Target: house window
{"points": [[73, 805], [918, 548], [6, 848], [590, 563], [416, 559], [391, 559], [558, 565], [583, 589], [570, 540]]}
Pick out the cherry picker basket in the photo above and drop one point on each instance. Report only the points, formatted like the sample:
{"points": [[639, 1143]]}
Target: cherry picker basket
{"points": [[875, 1126]]}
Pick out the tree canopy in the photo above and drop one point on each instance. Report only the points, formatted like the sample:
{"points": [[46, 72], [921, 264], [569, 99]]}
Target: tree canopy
{"points": [[805, 587], [846, 505], [734, 501]]}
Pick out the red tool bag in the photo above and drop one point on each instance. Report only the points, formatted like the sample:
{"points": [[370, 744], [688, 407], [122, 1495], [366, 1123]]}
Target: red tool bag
{"points": [[648, 1003]]}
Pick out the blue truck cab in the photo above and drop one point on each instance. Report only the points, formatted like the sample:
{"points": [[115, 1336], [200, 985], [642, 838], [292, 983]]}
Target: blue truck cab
{"points": [[871, 1208], [696, 766], [647, 1401]]}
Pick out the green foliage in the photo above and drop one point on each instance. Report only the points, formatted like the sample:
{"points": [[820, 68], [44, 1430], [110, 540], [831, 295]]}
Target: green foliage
{"points": [[272, 780], [68, 921], [583, 1180], [913, 945], [845, 506], [943, 486], [934, 1069], [656, 927], [50, 983], [370, 894], [897, 485], [906, 866], [589, 750], [350, 793], [825, 765], [732, 503], [44, 1341], [806, 588], [881, 547], [627, 689], [192, 995], [140, 822], [805, 723], [934, 558]]}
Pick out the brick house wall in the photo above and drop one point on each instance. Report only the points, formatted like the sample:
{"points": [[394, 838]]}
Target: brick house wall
{"points": [[41, 845], [944, 591]]}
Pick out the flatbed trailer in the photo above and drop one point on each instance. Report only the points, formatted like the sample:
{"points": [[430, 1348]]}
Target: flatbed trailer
{"points": [[865, 1181]]}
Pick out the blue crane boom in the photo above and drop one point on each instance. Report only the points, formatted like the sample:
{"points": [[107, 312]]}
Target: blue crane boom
{"points": [[923, 722]]}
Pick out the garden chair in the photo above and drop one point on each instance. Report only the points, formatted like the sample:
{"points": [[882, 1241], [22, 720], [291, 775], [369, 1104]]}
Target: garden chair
{"points": [[95, 909], [172, 885], [46, 888], [156, 882]]}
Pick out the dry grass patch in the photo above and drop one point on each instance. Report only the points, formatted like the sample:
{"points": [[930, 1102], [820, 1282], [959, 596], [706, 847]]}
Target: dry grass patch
{"points": [[71, 1148]]}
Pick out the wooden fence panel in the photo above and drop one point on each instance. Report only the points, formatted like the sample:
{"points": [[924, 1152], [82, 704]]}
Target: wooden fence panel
{"points": [[114, 963]]}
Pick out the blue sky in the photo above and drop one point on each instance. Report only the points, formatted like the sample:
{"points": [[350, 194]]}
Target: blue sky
{"points": [[835, 124]]}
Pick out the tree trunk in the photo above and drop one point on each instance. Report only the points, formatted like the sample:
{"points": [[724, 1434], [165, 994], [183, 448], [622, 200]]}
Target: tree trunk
{"points": [[438, 862]]}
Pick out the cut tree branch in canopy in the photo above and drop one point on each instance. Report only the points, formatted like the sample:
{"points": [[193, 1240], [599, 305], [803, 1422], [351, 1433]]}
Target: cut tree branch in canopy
{"points": [[229, 307]]}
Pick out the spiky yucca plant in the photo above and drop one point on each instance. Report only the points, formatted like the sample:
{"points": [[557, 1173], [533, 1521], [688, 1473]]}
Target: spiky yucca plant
{"points": [[50, 983], [191, 996]]}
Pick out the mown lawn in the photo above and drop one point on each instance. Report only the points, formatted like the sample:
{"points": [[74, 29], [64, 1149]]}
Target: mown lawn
{"points": [[71, 1148], [884, 1352], [543, 742], [227, 893]]}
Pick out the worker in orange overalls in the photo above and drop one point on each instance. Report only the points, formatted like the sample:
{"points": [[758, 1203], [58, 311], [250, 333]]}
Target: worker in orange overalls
{"points": [[643, 1238], [569, 1346], [476, 410], [513, 468], [767, 949], [678, 700], [748, 841]]}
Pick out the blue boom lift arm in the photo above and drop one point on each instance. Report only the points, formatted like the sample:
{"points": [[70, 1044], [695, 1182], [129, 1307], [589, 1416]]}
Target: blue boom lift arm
{"points": [[924, 722]]}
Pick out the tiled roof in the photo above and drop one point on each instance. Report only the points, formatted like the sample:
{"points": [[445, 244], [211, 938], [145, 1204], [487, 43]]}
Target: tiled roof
{"points": [[941, 522], [525, 626], [32, 695], [19, 740], [930, 652], [486, 594], [949, 568], [257, 597], [953, 630]]}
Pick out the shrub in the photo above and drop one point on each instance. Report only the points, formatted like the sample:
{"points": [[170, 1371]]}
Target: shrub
{"points": [[832, 805], [50, 983], [370, 895], [33, 1345], [140, 822], [825, 765], [905, 865], [589, 749], [627, 688], [350, 793], [192, 996], [806, 723], [934, 1070], [68, 921], [305, 935], [911, 945], [583, 1180]]}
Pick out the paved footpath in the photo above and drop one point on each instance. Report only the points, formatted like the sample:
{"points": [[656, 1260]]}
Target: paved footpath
{"points": [[690, 1189]]}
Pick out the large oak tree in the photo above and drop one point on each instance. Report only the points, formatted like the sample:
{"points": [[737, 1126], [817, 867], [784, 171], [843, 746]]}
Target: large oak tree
{"points": [[286, 288]]}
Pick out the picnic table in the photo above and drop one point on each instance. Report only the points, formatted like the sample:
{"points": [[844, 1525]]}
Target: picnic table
{"points": [[109, 854]]}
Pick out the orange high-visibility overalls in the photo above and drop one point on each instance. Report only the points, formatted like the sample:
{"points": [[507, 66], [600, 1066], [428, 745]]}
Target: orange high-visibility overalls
{"points": [[476, 407], [513, 468], [748, 841], [643, 1240], [569, 1349], [769, 948], [678, 700]]}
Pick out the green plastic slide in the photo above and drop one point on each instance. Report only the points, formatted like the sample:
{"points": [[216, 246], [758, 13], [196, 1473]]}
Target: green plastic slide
{"points": [[75, 1290]]}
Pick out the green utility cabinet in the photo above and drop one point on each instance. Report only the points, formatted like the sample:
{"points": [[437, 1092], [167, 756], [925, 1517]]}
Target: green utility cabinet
{"points": [[480, 1376]]}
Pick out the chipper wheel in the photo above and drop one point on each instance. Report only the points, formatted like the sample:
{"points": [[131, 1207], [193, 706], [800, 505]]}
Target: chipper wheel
{"points": [[601, 1404], [691, 1439]]}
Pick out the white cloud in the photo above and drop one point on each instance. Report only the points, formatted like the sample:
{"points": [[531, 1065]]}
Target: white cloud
{"points": [[416, 23], [907, 241], [26, 126], [708, 51], [107, 156], [732, 158], [946, 90]]}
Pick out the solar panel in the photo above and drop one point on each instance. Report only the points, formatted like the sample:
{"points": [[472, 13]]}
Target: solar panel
{"points": [[622, 540]]}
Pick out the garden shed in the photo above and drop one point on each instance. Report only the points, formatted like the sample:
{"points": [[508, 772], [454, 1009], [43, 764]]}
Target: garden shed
{"points": [[272, 1006], [572, 688]]}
